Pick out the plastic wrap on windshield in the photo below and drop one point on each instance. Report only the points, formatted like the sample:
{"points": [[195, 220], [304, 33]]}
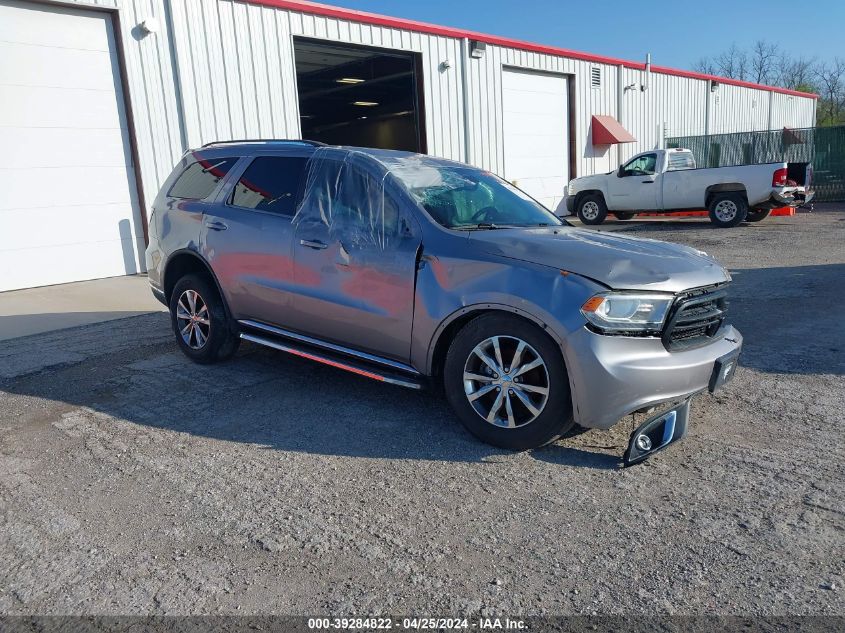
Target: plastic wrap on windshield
{"points": [[345, 192]]}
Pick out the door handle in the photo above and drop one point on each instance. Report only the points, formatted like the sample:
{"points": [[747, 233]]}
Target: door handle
{"points": [[215, 225], [315, 244], [648, 182]]}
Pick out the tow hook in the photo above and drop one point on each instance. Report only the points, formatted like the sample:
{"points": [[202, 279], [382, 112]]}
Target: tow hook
{"points": [[657, 433]]}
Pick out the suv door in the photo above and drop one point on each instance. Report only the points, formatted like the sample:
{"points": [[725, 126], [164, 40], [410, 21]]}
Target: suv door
{"points": [[635, 187], [355, 258], [247, 236]]}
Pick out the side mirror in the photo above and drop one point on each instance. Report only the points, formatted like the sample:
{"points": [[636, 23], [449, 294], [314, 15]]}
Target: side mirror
{"points": [[621, 172]]}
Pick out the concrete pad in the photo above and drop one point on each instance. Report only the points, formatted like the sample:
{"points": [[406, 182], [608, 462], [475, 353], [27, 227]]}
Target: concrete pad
{"points": [[36, 310]]}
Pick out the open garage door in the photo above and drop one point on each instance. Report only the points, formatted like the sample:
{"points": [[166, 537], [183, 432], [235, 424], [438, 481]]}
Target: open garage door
{"points": [[536, 133], [68, 198], [355, 95]]}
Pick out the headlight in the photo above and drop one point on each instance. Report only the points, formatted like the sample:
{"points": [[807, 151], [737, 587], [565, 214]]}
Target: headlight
{"points": [[626, 312]]}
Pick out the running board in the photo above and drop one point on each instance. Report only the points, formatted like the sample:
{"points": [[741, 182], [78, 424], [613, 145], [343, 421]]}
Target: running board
{"points": [[360, 369], [332, 348]]}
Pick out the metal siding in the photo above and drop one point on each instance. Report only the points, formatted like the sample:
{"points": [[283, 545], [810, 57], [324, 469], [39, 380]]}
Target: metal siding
{"points": [[791, 111], [234, 77]]}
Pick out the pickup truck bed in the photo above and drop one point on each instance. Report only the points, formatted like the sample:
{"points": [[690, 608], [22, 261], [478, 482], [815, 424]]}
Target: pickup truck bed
{"points": [[668, 180]]}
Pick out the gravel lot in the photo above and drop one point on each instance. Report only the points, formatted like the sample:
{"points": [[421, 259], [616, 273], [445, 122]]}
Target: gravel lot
{"points": [[134, 482]]}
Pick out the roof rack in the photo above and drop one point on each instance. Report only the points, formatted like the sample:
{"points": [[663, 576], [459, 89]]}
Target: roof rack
{"points": [[266, 140]]}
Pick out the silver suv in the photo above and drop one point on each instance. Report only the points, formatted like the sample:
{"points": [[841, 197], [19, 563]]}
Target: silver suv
{"points": [[414, 270]]}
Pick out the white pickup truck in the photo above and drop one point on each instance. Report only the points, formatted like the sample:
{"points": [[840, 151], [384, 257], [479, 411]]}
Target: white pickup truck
{"points": [[666, 180]]}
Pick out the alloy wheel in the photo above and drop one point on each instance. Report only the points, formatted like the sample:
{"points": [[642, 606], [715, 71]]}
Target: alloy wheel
{"points": [[192, 318], [506, 381]]}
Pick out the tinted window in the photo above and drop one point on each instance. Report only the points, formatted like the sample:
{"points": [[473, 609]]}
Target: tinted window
{"points": [[200, 178], [270, 183]]}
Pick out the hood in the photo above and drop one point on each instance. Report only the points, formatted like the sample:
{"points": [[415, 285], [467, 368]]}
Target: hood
{"points": [[595, 181], [618, 261]]}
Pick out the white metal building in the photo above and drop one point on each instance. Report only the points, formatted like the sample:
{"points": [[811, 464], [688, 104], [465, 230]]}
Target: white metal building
{"points": [[99, 99]]}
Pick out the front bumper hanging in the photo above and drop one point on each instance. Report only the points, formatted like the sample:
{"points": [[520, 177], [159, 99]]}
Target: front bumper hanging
{"points": [[657, 433]]}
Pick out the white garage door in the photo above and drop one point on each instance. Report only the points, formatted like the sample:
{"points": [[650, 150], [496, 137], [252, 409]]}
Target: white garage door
{"points": [[68, 199], [536, 133]]}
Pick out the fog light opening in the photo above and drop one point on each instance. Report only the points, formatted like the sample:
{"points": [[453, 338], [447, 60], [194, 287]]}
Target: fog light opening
{"points": [[644, 442]]}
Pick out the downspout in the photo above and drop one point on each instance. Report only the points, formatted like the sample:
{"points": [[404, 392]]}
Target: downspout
{"points": [[177, 77], [771, 102], [709, 88], [465, 95], [620, 104]]}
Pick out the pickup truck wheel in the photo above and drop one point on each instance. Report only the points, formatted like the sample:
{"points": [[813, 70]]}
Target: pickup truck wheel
{"points": [[592, 209], [623, 216], [506, 380], [727, 209], [199, 321], [755, 215]]}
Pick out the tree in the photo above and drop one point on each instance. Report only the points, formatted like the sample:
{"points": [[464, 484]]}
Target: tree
{"points": [[795, 73], [763, 64], [830, 78], [733, 63]]}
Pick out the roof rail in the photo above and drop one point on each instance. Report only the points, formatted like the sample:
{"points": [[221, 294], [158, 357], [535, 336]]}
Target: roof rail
{"points": [[266, 140]]}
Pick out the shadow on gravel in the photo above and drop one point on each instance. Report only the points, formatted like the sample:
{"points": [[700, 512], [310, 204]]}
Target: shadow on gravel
{"points": [[567, 456], [791, 318], [132, 370]]}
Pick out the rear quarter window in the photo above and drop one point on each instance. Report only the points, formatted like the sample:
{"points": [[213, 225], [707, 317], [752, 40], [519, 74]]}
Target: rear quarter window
{"points": [[199, 179]]}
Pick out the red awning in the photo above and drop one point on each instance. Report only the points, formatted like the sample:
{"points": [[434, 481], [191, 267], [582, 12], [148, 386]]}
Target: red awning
{"points": [[609, 131], [791, 138]]}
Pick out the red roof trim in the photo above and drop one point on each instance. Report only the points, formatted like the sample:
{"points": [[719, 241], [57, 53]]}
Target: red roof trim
{"points": [[304, 6]]}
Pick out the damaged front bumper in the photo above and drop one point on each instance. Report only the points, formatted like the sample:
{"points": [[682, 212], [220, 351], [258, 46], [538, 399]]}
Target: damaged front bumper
{"points": [[667, 427], [657, 433]]}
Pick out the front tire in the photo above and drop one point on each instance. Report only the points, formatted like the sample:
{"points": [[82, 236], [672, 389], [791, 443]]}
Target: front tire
{"points": [[757, 215], [506, 380], [199, 321], [592, 209], [727, 210]]}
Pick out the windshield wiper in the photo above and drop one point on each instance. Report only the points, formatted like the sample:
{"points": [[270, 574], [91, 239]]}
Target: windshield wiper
{"points": [[480, 226]]}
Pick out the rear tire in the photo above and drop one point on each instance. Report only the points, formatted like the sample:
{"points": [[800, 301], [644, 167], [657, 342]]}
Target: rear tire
{"points": [[592, 209], [756, 215], [528, 404], [727, 210], [199, 321], [623, 215]]}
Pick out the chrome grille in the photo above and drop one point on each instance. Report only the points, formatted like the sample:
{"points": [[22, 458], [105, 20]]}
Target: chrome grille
{"points": [[695, 317]]}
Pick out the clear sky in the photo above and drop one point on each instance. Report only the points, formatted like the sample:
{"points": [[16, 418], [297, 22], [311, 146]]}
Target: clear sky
{"points": [[677, 32]]}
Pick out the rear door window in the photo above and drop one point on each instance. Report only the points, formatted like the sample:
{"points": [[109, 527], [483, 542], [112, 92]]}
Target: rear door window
{"points": [[270, 183], [199, 179]]}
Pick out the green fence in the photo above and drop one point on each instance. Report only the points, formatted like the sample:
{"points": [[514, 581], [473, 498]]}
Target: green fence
{"points": [[824, 147]]}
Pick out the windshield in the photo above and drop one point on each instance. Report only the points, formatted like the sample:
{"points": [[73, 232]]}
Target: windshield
{"points": [[466, 198]]}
